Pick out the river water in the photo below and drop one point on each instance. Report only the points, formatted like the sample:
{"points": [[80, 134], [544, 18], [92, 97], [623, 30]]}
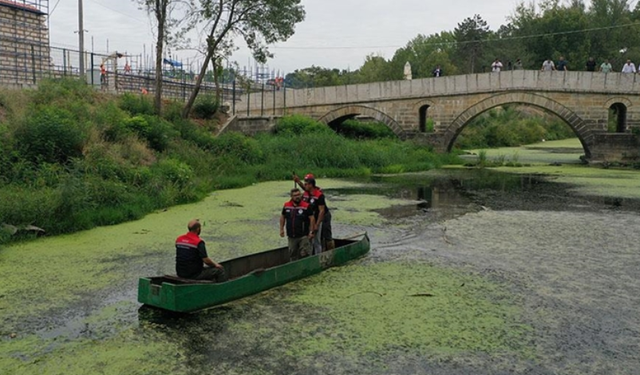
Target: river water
{"points": [[470, 272]]}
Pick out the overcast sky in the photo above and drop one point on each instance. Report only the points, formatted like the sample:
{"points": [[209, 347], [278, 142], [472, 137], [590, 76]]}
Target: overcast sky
{"points": [[335, 33]]}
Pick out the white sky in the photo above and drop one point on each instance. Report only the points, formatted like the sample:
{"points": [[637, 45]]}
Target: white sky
{"points": [[335, 33]]}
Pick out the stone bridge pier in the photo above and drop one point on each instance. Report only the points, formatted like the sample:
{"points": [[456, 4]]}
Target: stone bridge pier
{"points": [[436, 110]]}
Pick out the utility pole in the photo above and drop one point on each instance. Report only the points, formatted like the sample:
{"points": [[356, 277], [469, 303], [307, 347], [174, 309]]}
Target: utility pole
{"points": [[81, 38]]}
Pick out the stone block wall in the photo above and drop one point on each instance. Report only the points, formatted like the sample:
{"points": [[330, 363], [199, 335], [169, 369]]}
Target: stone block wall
{"points": [[24, 45]]}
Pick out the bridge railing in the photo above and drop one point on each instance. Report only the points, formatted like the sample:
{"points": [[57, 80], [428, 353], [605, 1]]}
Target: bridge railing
{"points": [[277, 101]]}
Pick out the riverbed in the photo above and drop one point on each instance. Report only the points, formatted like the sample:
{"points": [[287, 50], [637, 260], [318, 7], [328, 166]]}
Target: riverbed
{"points": [[471, 271]]}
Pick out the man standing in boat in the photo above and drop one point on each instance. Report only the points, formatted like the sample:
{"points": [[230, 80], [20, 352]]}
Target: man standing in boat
{"points": [[313, 195], [191, 256], [297, 216]]}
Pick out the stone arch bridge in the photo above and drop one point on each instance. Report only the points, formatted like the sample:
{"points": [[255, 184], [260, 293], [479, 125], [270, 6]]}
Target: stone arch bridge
{"points": [[581, 99]]}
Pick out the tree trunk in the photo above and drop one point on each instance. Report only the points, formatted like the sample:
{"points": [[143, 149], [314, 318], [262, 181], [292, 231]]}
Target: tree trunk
{"points": [[196, 88], [161, 17], [216, 79]]}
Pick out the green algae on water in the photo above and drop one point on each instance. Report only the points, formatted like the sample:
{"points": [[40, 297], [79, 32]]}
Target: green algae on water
{"points": [[385, 307]]}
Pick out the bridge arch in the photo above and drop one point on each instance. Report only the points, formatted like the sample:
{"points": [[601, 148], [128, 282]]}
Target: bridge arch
{"points": [[618, 106], [351, 111], [564, 113]]}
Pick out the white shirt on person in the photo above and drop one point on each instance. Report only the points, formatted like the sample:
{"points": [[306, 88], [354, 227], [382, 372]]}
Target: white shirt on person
{"points": [[629, 68], [548, 66], [496, 66]]}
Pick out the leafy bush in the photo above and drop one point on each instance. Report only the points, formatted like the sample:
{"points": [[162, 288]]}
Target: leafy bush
{"points": [[239, 146], [156, 131], [50, 135], [175, 171], [111, 121], [138, 125], [364, 130], [160, 133], [205, 107], [298, 124], [508, 127], [172, 111], [137, 104], [67, 90]]}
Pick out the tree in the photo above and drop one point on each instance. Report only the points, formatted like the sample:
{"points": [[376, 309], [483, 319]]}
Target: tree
{"points": [[375, 69], [258, 22], [425, 53], [470, 35], [161, 10]]}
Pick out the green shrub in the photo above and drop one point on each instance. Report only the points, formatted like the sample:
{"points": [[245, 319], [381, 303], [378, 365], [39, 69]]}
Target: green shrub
{"points": [[50, 135], [205, 107], [172, 111], [111, 121], [159, 133], [298, 124], [138, 125], [239, 146], [429, 126], [175, 171], [66, 90], [137, 104], [508, 127], [364, 130], [156, 131]]}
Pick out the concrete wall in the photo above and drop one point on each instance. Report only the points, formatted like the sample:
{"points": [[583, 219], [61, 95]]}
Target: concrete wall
{"points": [[249, 125]]}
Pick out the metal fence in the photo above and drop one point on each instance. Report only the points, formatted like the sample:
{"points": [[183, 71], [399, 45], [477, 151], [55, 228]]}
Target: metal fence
{"points": [[32, 63]]}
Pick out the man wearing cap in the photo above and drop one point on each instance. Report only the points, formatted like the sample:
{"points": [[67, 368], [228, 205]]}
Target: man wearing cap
{"points": [[298, 217], [313, 195], [191, 255]]}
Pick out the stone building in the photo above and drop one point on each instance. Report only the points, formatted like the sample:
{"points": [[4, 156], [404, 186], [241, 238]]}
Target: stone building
{"points": [[24, 42]]}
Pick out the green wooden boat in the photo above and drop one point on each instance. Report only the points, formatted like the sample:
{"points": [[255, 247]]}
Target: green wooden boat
{"points": [[248, 275]]}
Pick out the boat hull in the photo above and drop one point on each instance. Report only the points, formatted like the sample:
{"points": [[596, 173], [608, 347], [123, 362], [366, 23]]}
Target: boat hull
{"points": [[249, 275]]}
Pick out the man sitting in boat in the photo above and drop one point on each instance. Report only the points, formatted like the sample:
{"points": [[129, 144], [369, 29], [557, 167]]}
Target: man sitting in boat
{"points": [[298, 217], [191, 256]]}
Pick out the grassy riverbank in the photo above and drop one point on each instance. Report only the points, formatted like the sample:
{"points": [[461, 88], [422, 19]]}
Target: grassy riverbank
{"points": [[72, 158]]}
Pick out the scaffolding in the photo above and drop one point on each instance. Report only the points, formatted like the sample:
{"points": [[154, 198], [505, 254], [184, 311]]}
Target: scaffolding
{"points": [[24, 41]]}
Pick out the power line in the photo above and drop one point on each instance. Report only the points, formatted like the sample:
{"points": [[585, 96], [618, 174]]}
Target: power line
{"points": [[472, 41], [117, 11], [54, 8]]}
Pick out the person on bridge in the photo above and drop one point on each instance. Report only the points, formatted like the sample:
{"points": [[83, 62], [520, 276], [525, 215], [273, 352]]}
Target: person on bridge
{"points": [[629, 67], [606, 67], [591, 65], [437, 72], [496, 66], [191, 255], [518, 64], [297, 216], [548, 66], [562, 65]]}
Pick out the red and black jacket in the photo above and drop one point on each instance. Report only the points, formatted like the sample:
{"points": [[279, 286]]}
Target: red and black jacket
{"points": [[316, 199], [190, 250], [297, 218]]}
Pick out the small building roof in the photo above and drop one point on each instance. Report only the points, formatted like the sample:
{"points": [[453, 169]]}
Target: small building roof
{"points": [[29, 6]]}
